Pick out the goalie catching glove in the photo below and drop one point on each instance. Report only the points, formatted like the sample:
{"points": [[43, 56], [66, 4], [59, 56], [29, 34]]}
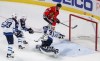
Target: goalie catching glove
{"points": [[30, 30]]}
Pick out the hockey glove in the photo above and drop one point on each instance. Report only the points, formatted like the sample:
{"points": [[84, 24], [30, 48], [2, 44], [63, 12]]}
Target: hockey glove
{"points": [[44, 37], [18, 33], [58, 21], [61, 36], [30, 30]]}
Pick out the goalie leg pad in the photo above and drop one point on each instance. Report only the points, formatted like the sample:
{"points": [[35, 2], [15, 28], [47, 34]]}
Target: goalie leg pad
{"points": [[49, 50]]}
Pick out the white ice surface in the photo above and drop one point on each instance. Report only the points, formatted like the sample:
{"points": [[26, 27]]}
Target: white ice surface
{"points": [[68, 51]]}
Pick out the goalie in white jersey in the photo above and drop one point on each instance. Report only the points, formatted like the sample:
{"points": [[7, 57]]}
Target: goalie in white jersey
{"points": [[9, 27], [47, 39]]}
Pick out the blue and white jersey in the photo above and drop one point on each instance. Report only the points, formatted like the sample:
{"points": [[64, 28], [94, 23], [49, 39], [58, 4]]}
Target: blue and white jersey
{"points": [[50, 33], [8, 25], [22, 25], [19, 25]]}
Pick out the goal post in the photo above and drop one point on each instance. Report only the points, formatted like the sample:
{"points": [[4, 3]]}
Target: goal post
{"points": [[87, 20]]}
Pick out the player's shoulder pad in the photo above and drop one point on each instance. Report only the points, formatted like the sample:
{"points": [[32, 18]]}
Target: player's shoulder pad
{"points": [[9, 20]]}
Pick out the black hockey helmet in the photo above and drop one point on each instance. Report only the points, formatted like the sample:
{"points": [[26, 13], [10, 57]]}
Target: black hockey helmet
{"points": [[59, 5]]}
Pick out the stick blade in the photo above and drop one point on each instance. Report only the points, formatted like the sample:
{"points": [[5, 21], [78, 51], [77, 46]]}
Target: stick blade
{"points": [[74, 26]]}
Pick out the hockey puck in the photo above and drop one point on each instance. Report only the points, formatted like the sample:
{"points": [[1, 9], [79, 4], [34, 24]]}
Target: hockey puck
{"points": [[79, 49], [35, 40]]}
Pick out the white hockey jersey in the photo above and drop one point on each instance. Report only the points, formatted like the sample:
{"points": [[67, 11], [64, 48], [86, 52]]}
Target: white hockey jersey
{"points": [[22, 25], [51, 33], [8, 25]]}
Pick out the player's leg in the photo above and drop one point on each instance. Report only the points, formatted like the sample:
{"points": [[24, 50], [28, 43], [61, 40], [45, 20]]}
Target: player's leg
{"points": [[46, 45], [23, 39], [47, 20], [20, 37], [10, 41], [20, 43]]}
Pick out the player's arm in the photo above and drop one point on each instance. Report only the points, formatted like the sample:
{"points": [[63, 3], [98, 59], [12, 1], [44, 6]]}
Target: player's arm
{"points": [[58, 35], [47, 11], [55, 18], [29, 29], [7, 23]]}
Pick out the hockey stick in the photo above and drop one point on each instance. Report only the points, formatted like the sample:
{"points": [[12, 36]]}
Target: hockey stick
{"points": [[37, 32], [69, 26], [39, 38]]}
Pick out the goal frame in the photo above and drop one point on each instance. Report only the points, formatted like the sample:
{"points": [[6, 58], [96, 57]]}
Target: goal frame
{"points": [[96, 30]]}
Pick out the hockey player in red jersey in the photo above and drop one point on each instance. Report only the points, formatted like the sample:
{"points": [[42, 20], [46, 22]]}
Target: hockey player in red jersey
{"points": [[50, 14]]}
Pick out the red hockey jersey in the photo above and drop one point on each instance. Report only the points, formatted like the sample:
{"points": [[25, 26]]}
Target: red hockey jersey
{"points": [[52, 14]]}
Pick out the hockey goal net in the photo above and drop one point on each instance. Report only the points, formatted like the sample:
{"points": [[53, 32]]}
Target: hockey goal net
{"points": [[86, 32]]}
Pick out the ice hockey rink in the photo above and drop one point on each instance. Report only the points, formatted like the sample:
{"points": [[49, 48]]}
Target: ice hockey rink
{"points": [[68, 51]]}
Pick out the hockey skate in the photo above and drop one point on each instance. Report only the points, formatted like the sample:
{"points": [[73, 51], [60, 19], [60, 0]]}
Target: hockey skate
{"points": [[25, 42], [10, 55], [20, 47], [49, 50]]}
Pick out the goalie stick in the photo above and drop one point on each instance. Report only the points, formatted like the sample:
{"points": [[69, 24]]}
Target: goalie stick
{"points": [[69, 26]]}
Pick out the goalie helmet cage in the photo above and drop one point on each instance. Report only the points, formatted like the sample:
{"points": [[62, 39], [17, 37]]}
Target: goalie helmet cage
{"points": [[85, 19]]}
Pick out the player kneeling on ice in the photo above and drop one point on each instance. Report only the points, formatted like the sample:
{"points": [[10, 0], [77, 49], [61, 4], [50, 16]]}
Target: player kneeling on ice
{"points": [[9, 26], [47, 40], [19, 34]]}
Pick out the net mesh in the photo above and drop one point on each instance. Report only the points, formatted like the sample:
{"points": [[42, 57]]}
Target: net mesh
{"points": [[85, 33]]}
